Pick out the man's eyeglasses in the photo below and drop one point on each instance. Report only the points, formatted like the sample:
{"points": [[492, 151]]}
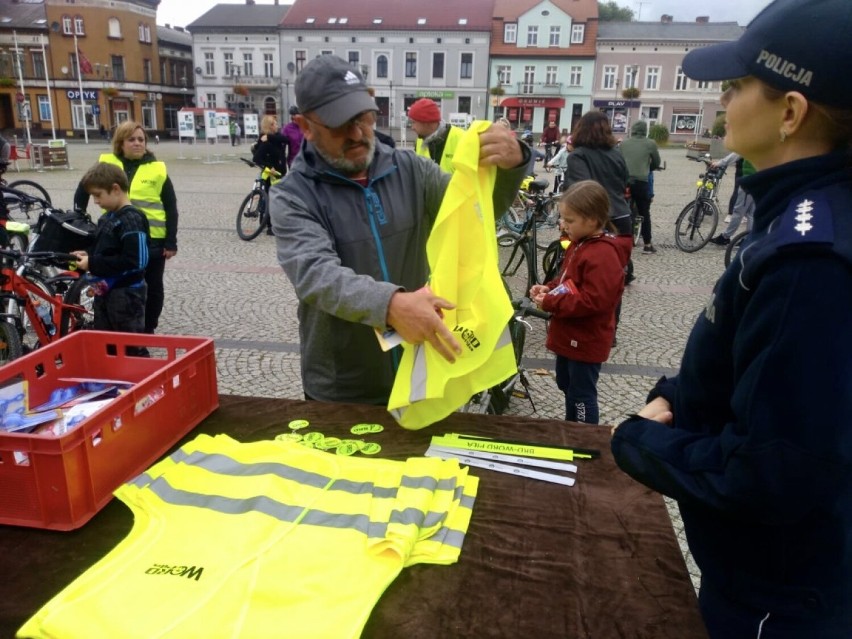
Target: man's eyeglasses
{"points": [[363, 121]]}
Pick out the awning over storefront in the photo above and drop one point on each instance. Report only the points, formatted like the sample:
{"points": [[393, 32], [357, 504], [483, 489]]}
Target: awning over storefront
{"points": [[556, 103]]}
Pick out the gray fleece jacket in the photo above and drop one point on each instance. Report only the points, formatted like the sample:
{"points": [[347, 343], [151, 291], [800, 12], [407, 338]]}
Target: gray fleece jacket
{"points": [[347, 249]]}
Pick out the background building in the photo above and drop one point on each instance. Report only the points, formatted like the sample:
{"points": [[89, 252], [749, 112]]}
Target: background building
{"points": [[407, 50], [542, 61], [648, 56]]}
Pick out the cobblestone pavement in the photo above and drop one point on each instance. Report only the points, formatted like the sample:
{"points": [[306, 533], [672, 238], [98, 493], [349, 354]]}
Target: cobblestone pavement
{"points": [[234, 291]]}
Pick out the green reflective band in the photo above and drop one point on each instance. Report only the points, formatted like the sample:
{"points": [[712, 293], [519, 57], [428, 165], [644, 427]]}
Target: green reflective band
{"points": [[292, 437], [524, 449], [298, 424], [347, 448], [370, 448], [327, 443], [148, 204], [364, 429]]}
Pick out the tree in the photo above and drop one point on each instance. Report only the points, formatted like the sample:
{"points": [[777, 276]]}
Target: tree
{"points": [[611, 12]]}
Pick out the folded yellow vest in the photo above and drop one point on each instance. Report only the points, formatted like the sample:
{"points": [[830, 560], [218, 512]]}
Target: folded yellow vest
{"points": [[462, 254]]}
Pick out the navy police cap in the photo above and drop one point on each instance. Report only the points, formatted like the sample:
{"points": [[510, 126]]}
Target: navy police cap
{"points": [[792, 45]]}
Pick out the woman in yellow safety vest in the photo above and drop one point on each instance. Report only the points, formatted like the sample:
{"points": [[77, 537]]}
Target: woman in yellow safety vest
{"points": [[152, 192]]}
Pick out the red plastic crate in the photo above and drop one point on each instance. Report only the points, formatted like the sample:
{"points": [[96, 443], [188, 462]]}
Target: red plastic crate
{"points": [[61, 482]]}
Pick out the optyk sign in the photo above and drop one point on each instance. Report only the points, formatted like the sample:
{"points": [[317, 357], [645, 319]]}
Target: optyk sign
{"points": [[74, 94]]}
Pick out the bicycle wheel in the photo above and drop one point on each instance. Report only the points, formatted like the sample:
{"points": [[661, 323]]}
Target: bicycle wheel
{"points": [[515, 265], [10, 343], [31, 188], [733, 248], [79, 293], [552, 260], [251, 218], [548, 226], [696, 225]]}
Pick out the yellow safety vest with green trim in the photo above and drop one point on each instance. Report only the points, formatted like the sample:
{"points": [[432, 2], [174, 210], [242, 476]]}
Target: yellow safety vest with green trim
{"points": [[145, 192], [298, 533], [462, 254], [453, 139]]}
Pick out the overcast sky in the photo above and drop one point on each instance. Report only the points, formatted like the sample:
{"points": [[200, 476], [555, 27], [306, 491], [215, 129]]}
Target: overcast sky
{"points": [[182, 12]]}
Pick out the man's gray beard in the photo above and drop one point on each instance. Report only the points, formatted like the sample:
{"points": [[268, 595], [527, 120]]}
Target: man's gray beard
{"points": [[349, 167]]}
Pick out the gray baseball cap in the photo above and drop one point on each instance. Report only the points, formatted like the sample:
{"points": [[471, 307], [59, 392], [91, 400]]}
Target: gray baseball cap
{"points": [[333, 89]]}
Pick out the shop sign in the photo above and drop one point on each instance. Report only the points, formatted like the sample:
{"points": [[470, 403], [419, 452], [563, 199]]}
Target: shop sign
{"points": [[88, 94], [440, 95]]}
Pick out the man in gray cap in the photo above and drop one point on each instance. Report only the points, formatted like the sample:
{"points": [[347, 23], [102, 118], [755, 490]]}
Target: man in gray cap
{"points": [[352, 219]]}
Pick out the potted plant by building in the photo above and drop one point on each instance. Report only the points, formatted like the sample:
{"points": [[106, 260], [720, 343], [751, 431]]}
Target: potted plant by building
{"points": [[630, 93], [241, 89], [110, 92], [498, 90]]}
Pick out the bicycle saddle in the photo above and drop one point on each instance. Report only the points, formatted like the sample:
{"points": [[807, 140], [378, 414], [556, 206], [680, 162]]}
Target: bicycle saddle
{"points": [[537, 186]]}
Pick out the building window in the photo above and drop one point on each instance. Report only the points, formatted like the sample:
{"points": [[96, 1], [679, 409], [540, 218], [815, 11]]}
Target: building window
{"points": [[82, 116], [268, 65], [437, 66], [148, 33], [382, 66], [631, 74], [652, 78], [248, 64], [78, 26], [301, 59], [326, 52], [504, 74], [555, 35], [170, 112], [72, 58], [141, 30], [578, 33], [704, 85], [532, 36], [685, 123], [44, 112], [148, 71], [410, 64], [510, 33], [164, 77], [113, 28], [466, 68], [229, 62], [576, 76], [354, 58], [550, 75], [117, 68], [529, 80], [209, 63], [211, 101], [66, 25], [609, 73], [38, 65], [681, 81], [149, 115]]}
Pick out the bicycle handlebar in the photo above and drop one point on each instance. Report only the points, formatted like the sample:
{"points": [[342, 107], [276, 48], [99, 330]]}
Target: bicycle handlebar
{"points": [[38, 256], [526, 307], [250, 163], [25, 197]]}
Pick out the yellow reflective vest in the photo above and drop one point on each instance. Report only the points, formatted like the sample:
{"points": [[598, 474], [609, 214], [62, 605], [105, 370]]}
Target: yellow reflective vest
{"points": [[145, 192], [454, 136], [263, 539], [462, 254]]}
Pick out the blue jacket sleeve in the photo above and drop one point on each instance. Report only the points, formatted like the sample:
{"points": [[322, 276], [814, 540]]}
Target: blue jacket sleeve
{"points": [[784, 448]]}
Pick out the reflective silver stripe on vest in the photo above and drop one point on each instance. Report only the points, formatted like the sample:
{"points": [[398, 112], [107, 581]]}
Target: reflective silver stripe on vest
{"points": [[148, 204], [505, 338], [418, 375]]}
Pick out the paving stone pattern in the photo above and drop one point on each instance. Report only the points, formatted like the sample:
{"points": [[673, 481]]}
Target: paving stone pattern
{"points": [[234, 291]]}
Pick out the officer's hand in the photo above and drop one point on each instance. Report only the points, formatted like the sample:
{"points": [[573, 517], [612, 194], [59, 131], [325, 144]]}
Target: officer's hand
{"points": [[417, 318], [499, 146]]}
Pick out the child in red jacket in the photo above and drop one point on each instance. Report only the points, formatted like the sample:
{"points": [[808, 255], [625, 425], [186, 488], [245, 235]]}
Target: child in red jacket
{"points": [[583, 297]]}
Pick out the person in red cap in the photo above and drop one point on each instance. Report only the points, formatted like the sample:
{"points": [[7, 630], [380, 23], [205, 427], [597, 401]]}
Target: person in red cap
{"points": [[752, 437], [436, 139]]}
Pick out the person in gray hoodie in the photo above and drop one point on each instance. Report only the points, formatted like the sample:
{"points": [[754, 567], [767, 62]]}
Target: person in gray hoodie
{"points": [[642, 157], [351, 221]]}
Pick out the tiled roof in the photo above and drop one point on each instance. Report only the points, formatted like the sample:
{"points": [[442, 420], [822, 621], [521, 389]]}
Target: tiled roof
{"points": [[22, 15], [410, 15], [580, 10], [240, 16], [703, 31], [168, 34]]}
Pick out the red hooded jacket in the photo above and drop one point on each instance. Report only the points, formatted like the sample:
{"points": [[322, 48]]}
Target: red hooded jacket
{"points": [[583, 320]]}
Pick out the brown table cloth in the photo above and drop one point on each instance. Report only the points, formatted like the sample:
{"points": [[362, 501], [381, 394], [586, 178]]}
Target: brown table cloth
{"points": [[598, 560]]}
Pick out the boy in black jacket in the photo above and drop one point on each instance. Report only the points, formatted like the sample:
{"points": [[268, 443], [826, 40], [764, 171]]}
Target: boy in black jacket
{"points": [[116, 266]]}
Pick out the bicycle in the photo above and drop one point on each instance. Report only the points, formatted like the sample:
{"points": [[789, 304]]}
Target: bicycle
{"points": [[733, 247], [253, 215], [548, 155], [697, 222], [495, 400], [32, 313], [533, 202]]}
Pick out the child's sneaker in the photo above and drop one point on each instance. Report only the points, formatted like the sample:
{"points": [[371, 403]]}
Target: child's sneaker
{"points": [[720, 240], [649, 248]]}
